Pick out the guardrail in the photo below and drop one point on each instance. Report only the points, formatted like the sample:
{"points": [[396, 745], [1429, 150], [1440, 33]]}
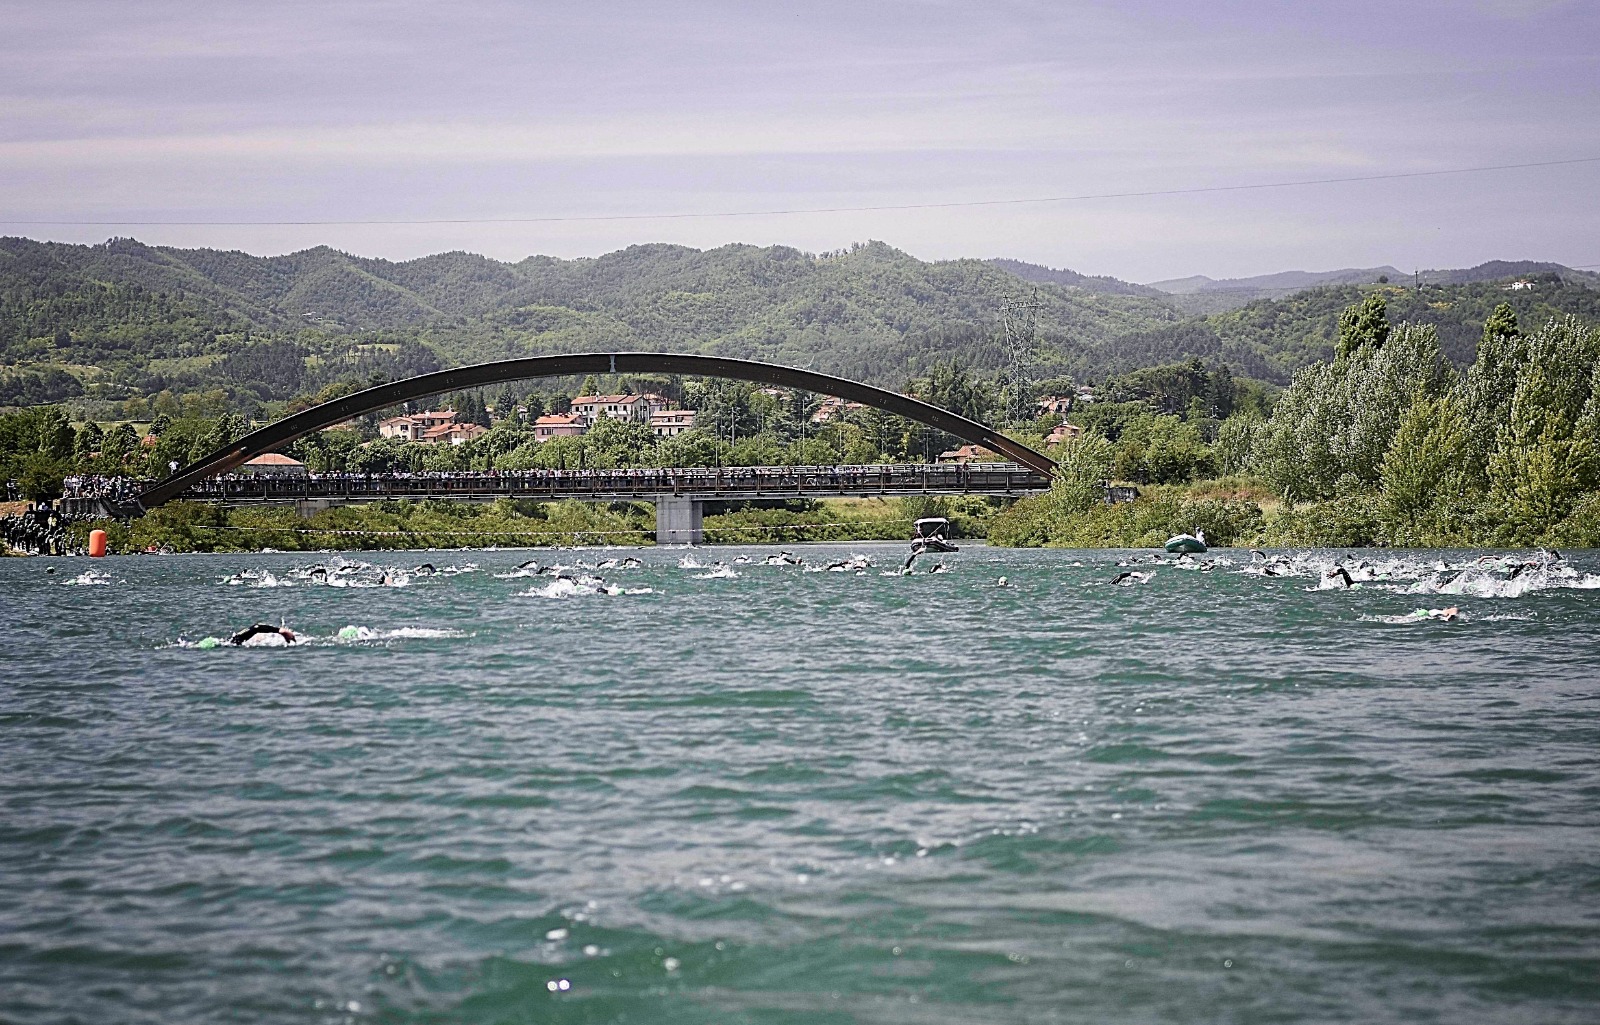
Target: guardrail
{"points": [[748, 482]]}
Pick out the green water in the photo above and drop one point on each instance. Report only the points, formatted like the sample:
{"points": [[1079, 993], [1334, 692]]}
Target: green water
{"points": [[791, 797]]}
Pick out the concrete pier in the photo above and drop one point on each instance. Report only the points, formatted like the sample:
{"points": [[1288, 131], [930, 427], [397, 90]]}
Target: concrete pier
{"points": [[680, 521]]}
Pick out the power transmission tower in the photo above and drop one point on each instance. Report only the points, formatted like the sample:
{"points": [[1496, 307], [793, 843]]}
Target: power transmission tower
{"points": [[1018, 316]]}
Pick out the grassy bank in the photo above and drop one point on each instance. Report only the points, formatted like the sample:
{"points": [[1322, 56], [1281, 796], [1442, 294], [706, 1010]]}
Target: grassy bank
{"points": [[1245, 513], [395, 526]]}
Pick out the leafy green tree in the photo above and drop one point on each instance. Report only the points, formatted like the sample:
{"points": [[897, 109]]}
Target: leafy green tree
{"points": [[41, 478], [1542, 461], [88, 442], [1364, 324], [614, 443], [1424, 477], [1237, 438], [1490, 383], [54, 432], [119, 444], [1082, 467]]}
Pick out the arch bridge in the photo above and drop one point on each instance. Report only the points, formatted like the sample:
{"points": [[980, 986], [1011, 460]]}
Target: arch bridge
{"points": [[677, 515]]}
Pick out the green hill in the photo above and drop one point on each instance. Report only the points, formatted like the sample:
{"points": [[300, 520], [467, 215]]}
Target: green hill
{"points": [[110, 321]]}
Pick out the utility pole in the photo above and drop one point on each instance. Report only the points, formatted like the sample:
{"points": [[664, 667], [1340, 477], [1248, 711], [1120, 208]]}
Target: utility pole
{"points": [[1018, 316]]}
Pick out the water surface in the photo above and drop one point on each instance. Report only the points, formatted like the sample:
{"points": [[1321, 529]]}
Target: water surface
{"points": [[791, 797]]}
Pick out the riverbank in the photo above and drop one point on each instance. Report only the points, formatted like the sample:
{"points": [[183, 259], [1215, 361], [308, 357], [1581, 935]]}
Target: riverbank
{"points": [[404, 526], [1241, 512]]}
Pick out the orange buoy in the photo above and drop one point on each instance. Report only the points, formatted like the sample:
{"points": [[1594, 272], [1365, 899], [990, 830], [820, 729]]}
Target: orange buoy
{"points": [[97, 543]]}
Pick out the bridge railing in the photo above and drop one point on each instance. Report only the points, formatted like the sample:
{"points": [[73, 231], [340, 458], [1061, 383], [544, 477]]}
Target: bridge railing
{"points": [[733, 482]]}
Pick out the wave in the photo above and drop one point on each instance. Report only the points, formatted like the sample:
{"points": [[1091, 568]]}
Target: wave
{"points": [[1488, 576], [567, 587], [351, 634]]}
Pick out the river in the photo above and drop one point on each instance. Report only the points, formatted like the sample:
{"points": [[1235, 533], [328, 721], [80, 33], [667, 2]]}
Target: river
{"points": [[767, 795]]}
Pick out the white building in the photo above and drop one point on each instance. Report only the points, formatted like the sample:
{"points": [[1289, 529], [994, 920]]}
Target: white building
{"points": [[669, 423], [617, 407]]}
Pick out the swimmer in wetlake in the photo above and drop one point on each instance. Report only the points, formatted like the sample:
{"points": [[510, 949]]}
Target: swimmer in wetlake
{"points": [[261, 628]]}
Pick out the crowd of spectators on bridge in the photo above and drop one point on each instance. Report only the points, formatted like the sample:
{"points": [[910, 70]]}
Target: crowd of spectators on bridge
{"points": [[117, 489], [635, 480]]}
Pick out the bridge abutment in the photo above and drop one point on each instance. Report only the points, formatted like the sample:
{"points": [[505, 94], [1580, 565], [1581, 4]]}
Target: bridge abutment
{"points": [[680, 520], [309, 507]]}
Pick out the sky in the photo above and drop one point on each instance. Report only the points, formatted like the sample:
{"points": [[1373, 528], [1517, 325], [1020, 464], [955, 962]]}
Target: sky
{"points": [[574, 129]]}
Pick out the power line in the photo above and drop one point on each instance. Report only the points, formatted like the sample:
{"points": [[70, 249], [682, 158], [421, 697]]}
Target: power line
{"points": [[1199, 190]]}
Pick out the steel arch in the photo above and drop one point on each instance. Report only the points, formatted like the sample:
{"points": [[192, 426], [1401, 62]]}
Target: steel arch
{"points": [[327, 414]]}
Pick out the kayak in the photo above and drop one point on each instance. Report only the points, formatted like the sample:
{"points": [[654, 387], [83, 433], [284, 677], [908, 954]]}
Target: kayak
{"points": [[1185, 543]]}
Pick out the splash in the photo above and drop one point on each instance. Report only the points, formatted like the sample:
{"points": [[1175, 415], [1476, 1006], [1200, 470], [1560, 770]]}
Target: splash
{"points": [[719, 573], [89, 578], [1488, 576], [358, 634]]}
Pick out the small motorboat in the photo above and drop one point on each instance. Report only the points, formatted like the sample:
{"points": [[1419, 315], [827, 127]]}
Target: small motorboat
{"points": [[1187, 544], [930, 536]]}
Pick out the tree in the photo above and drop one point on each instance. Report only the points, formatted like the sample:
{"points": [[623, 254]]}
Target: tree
{"points": [[119, 444], [1543, 456], [1082, 465], [1489, 385], [56, 435], [1237, 437], [90, 437], [1423, 473], [1363, 324]]}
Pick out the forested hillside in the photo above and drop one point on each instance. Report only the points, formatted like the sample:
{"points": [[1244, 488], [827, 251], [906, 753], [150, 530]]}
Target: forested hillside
{"points": [[99, 325]]}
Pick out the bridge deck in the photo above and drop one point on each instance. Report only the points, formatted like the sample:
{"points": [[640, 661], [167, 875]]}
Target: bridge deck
{"points": [[729, 483]]}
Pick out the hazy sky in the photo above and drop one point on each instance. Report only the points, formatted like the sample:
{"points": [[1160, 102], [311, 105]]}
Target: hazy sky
{"points": [[175, 110]]}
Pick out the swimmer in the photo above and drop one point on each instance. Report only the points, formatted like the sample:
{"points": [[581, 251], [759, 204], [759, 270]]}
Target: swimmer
{"points": [[1340, 574], [938, 568], [261, 628], [1420, 615], [1130, 577], [1002, 582], [426, 569]]}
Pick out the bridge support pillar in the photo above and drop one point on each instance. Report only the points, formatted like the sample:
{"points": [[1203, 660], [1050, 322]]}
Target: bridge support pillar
{"points": [[309, 507], [680, 521]]}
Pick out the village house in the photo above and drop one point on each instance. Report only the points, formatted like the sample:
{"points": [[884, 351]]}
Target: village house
{"points": [[833, 407], [654, 403], [559, 425], [669, 423], [412, 426], [1060, 405], [635, 408], [1061, 433], [452, 434], [966, 454]]}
